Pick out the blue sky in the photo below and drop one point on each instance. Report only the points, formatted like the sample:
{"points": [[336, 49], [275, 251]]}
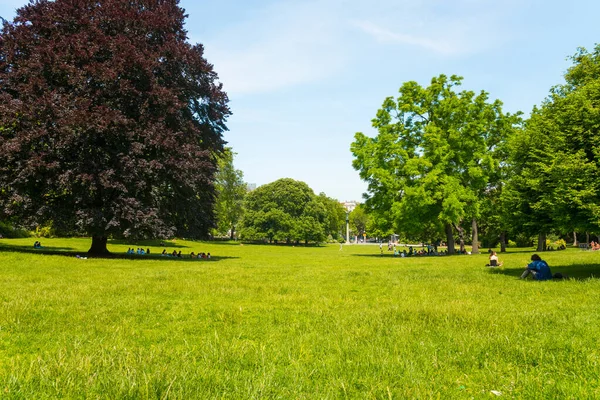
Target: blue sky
{"points": [[304, 76]]}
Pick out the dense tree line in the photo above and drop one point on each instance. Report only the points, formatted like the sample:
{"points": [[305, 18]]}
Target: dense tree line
{"points": [[446, 163]]}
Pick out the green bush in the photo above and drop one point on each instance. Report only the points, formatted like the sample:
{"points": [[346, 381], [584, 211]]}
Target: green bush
{"points": [[44, 231], [8, 231], [523, 240], [560, 244]]}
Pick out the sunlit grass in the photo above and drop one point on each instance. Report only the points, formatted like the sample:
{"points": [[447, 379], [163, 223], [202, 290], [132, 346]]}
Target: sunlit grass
{"points": [[293, 322]]}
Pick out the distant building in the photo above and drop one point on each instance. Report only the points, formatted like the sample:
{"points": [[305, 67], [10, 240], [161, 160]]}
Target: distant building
{"points": [[349, 205], [250, 186]]}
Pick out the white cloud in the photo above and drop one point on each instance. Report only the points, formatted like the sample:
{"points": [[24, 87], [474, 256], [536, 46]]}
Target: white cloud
{"points": [[446, 28], [384, 35], [292, 42], [288, 44]]}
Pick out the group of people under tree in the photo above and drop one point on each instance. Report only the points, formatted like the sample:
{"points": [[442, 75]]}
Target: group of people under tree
{"points": [[175, 253], [165, 253], [140, 251]]}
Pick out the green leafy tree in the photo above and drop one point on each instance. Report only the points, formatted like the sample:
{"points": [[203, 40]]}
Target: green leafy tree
{"points": [[528, 196], [284, 210], [231, 190], [379, 227], [359, 220], [430, 164], [335, 220], [312, 224], [555, 159], [111, 120]]}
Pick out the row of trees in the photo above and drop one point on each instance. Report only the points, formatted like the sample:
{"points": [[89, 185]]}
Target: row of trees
{"points": [[111, 125], [446, 163]]}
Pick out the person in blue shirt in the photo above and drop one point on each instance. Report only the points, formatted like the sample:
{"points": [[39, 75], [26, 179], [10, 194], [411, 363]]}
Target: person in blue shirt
{"points": [[538, 268]]}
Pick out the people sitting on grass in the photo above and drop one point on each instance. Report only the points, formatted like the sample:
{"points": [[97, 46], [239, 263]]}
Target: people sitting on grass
{"points": [[37, 245], [538, 268], [594, 245], [493, 260], [175, 253]]}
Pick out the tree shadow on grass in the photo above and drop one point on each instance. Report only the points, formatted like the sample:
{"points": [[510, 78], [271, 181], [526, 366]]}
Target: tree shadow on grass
{"points": [[576, 271], [391, 255], [69, 252], [29, 248]]}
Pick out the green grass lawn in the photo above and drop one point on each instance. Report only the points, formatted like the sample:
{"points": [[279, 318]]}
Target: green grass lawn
{"points": [[293, 322]]}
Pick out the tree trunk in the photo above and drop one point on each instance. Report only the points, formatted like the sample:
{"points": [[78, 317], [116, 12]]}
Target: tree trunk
{"points": [[232, 232], [575, 242], [503, 242], [541, 242], [450, 238], [98, 246], [475, 245], [587, 237], [461, 238]]}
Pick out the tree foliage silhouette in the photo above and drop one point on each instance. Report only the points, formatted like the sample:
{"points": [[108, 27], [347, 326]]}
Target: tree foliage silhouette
{"points": [[110, 121]]}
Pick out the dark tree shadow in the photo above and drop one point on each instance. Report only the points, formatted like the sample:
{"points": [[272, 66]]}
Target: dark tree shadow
{"points": [[71, 253], [30, 249], [575, 271]]}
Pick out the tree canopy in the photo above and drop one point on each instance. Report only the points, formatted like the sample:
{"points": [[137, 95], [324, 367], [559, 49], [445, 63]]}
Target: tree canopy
{"points": [[288, 211], [431, 161], [555, 159], [110, 120], [231, 190]]}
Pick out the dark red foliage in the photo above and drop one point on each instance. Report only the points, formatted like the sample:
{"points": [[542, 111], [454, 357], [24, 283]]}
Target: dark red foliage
{"points": [[109, 120]]}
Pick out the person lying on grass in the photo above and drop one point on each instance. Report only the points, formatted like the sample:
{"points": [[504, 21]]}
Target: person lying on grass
{"points": [[538, 268]]}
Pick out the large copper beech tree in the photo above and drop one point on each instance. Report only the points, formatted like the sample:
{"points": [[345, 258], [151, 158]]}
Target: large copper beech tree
{"points": [[110, 120]]}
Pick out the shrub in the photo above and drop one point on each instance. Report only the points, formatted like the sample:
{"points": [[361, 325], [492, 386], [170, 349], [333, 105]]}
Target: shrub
{"points": [[8, 231], [523, 240], [44, 231], [560, 244]]}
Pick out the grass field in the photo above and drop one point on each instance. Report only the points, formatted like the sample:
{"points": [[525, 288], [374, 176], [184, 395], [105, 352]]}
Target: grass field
{"points": [[293, 322]]}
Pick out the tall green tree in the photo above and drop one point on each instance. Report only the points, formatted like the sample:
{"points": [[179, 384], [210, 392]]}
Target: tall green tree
{"points": [[285, 210], [111, 120], [555, 159], [528, 196], [359, 220], [335, 220], [231, 190], [430, 163]]}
